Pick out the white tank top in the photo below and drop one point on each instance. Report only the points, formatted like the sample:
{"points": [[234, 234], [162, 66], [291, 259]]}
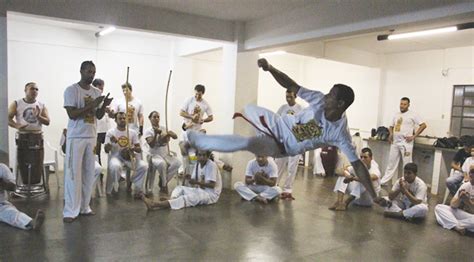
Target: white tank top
{"points": [[25, 115]]}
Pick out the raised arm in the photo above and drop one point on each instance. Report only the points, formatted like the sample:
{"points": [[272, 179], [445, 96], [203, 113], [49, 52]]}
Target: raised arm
{"points": [[282, 79]]}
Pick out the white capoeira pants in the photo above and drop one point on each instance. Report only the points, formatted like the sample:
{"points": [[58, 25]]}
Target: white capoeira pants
{"points": [[454, 181], [449, 217], [167, 166], [355, 189], [259, 145], [116, 165], [79, 175], [183, 196], [418, 211], [291, 165], [249, 192], [12, 216], [318, 163], [405, 150]]}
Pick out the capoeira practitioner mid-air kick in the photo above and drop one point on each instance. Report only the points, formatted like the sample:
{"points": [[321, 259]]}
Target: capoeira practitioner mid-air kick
{"points": [[322, 123]]}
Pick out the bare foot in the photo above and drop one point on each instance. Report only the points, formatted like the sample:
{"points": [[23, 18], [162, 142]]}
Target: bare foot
{"points": [[333, 207], [261, 199], [148, 203], [341, 207], [460, 230], [382, 202], [38, 220], [138, 195], [393, 214]]}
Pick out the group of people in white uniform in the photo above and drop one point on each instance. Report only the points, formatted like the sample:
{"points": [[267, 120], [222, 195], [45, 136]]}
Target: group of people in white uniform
{"points": [[281, 138]]}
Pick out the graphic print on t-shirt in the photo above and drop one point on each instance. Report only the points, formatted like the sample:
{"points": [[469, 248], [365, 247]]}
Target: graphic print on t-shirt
{"points": [[131, 114], [290, 112], [29, 116], [89, 117], [398, 124], [123, 141]]}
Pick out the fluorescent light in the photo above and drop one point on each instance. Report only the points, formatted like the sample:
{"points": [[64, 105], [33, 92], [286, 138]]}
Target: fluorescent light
{"points": [[423, 33], [107, 30], [279, 52]]}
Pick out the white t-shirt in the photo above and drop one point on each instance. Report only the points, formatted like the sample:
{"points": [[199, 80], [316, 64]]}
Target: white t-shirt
{"points": [[332, 133], [289, 110], [469, 188], [418, 189], [192, 107], [373, 170], [270, 169], [25, 115], [103, 124], [467, 164], [7, 176], [75, 96], [210, 172], [404, 125], [135, 108], [122, 140], [158, 149]]}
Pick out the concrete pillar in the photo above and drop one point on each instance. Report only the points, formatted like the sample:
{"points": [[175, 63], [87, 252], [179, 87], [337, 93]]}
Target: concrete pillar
{"points": [[3, 84]]}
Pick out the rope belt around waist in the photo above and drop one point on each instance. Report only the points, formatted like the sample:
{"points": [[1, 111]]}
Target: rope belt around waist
{"points": [[267, 133]]}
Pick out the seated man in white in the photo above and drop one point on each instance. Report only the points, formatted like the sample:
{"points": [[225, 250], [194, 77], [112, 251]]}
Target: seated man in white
{"points": [[159, 159], [458, 175], [408, 196], [205, 189], [459, 215], [260, 180], [349, 184], [122, 150], [8, 212]]}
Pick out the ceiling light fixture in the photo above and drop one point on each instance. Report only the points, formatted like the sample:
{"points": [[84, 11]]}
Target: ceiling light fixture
{"points": [[279, 52], [426, 32], [105, 31]]}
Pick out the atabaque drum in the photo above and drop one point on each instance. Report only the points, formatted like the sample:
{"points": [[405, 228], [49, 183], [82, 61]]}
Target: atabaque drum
{"points": [[30, 151]]}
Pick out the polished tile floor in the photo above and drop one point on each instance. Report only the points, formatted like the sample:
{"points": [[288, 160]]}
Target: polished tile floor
{"points": [[232, 230]]}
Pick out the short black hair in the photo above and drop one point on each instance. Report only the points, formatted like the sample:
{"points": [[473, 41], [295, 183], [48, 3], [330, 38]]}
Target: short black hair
{"points": [[86, 64], [406, 99], [118, 113], [127, 85], [411, 167], [151, 113], [344, 93], [292, 90], [200, 88], [97, 82], [367, 150], [29, 83]]}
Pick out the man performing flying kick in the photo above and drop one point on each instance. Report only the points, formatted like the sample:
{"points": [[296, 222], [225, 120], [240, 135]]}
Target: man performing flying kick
{"points": [[322, 123]]}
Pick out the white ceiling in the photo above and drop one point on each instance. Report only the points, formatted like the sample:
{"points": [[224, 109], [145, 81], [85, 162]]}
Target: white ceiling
{"points": [[234, 10]]}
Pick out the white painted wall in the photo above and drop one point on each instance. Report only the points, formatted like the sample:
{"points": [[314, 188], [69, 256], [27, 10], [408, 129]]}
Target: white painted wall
{"points": [[418, 75], [322, 74], [51, 56]]}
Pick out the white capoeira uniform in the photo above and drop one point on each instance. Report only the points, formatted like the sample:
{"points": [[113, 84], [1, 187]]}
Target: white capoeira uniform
{"points": [[249, 192], [289, 163], [356, 189], [135, 108], [79, 173], [419, 189], [192, 107], [8, 212], [404, 125], [455, 179], [307, 130], [449, 217], [25, 115], [159, 159], [117, 163], [184, 196]]}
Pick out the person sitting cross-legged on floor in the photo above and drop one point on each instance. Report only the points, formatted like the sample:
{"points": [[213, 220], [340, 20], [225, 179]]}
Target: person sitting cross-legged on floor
{"points": [[459, 215], [349, 184], [260, 180], [408, 196]]}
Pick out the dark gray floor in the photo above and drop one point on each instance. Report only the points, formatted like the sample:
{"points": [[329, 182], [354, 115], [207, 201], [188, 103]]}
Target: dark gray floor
{"points": [[232, 230]]}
